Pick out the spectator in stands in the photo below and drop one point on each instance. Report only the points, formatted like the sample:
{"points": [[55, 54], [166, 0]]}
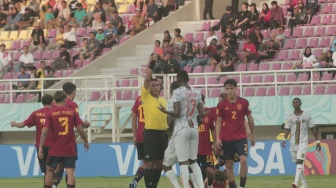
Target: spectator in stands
{"points": [[166, 48], [41, 74], [13, 17], [26, 20], [293, 5], [265, 17], [158, 49], [49, 21], [73, 7], [279, 36], [170, 65], [142, 6], [211, 36], [110, 35], [58, 6], [166, 37], [152, 10], [82, 51], [231, 38], [3, 18], [242, 20], [98, 12], [177, 42], [208, 10], [271, 50], [117, 22], [109, 6], [211, 52], [50, 3], [63, 61], [329, 62], [225, 63], [150, 21], [97, 23], [254, 15], [308, 60], [164, 7], [187, 57], [138, 23], [100, 36], [26, 60], [64, 15], [158, 68], [6, 63], [333, 46], [59, 40], [51, 74], [5, 6], [23, 6], [84, 5], [37, 40], [93, 47], [250, 51], [312, 7], [227, 19], [32, 83], [277, 17], [34, 6], [222, 44], [69, 36], [23, 75], [80, 16], [301, 17], [256, 37]]}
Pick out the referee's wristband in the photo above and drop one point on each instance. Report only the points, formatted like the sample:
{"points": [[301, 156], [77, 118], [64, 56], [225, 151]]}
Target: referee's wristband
{"points": [[318, 141]]}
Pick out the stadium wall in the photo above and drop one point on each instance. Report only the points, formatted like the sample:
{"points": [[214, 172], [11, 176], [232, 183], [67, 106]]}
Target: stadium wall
{"points": [[267, 158]]}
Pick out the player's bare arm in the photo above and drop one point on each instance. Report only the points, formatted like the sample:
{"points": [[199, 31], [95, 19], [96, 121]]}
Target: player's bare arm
{"points": [[149, 75], [200, 109], [134, 125], [218, 130], [175, 113], [18, 125], [250, 121], [86, 124], [171, 124], [44, 133], [247, 129], [83, 136], [287, 131], [315, 134]]}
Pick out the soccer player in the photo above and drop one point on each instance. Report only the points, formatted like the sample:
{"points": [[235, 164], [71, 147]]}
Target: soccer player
{"points": [[297, 124], [187, 101], [61, 121], [231, 135], [155, 134], [205, 157], [138, 124], [37, 119]]}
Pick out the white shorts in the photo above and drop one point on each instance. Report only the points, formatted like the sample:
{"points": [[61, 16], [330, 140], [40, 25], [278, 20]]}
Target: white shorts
{"points": [[298, 153], [186, 144], [170, 157]]}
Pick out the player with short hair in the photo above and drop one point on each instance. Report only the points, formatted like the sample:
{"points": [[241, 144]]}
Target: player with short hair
{"points": [[297, 124], [138, 124], [37, 119], [61, 121], [230, 131], [187, 101]]}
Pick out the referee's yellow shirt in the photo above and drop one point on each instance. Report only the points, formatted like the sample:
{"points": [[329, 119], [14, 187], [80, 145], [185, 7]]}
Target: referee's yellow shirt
{"points": [[154, 118]]}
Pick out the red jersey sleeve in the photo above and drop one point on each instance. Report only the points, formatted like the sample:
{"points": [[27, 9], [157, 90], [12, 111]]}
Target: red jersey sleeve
{"points": [[219, 110], [48, 120], [78, 121], [31, 120], [135, 106], [247, 110]]}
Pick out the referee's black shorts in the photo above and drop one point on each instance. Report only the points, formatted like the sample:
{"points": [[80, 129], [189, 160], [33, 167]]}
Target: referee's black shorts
{"points": [[155, 144]]}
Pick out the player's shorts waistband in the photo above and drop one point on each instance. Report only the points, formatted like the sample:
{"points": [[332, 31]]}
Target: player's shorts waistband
{"points": [[155, 131]]}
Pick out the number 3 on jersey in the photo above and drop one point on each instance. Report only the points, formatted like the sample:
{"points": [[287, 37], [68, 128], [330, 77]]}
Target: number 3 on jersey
{"points": [[65, 124], [234, 113]]}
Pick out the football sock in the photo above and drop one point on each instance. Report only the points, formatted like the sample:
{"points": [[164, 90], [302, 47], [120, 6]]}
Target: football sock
{"points": [[58, 177], [156, 177], [139, 174], [71, 186], [193, 179], [148, 177], [172, 178], [242, 181], [303, 177], [47, 186], [185, 176], [299, 168], [232, 184], [198, 174]]}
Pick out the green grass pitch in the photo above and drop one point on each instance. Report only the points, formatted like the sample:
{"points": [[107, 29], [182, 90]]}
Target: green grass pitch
{"points": [[122, 182]]}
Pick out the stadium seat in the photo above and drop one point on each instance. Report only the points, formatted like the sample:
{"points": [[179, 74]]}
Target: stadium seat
{"points": [[282, 56], [253, 67], [261, 91], [86, 62], [214, 93], [269, 79], [119, 1], [16, 56], [289, 44], [309, 31], [199, 37], [135, 95], [198, 69], [331, 90], [123, 39], [8, 75], [315, 20], [287, 33], [319, 90], [24, 43], [2, 99], [284, 91], [276, 66], [37, 55], [320, 31], [257, 79], [134, 83], [306, 90], [200, 81], [122, 9], [237, 78], [264, 66], [134, 71], [16, 45], [331, 30], [291, 78], [127, 95], [192, 81], [313, 42], [4, 35], [326, 76], [8, 44], [189, 37], [47, 55], [2, 87], [317, 52], [316, 76], [212, 80], [106, 50], [205, 26], [20, 98], [265, 33], [81, 32], [8, 100], [324, 42], [242, 67], [59, 74], [125, 83], [143, 71], [246, 79], [271, 91], [106, 96], [67, 73], [287, 66], [303, 77], [91, 2], [302, 43], [297, 32], [23, 35], [131, 9], [249, 92], [222, 79], [296, 90], [13, 35], [294, 55], [51, 33], [187, 68], [333, 20], [209, 68], [326, 20], [95, 96], [327, 9]]}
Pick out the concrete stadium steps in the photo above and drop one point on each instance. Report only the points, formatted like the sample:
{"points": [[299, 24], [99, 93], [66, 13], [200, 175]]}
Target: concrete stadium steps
{"points": [[133, 61], [116, 71]]}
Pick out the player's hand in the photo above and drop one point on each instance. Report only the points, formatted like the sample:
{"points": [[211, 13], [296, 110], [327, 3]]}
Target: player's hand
{"points": [[318, 147], [218, 145], [253, 141], [13, 123], [284, 143], [40, 153], [162, 108], [86, 146], [248, 132]]}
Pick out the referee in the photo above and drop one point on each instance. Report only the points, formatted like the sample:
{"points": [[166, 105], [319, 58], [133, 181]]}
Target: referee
{"points": [[155, 135]]}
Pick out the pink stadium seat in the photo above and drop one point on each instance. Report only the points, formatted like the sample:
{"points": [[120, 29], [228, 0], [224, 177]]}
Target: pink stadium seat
{"points": [[51, 33], [8, 100], [16, 45], [59, 74], [326, 20], [215, 22], [222, 79], [284, 91], [192, 81], [276, 66], [78, 63], [269, 79], [205, 26], [313, 42], [47, 55], [2, 87], [307, 90], [331, 29], [333, 21], [246, 79], [135, 95], [242, 67], [25, 43], [124, 39], [237, 78], [199, 37], [127, 95], [291, 78], [134, 71], [309, 31], [200, 81], [214, 93], [302, 43], [297, 32], [95, 96], [67, 73], [287, 66], [331, 90], [257, 79], [283, 55], [287, 33], [209, 68], [294, 55], [17, 55], [264, 66], [20, 98], [125, 83], [212, 80], [238, 91], [296, 90], [325, 42], [253, 67], [30, 96], [37, 55], [317, 52], [315, 20], [106, 96], [327, 9], [319, 90], [80, 32], [198, 69], [320, 31], [281, 78], [131, 9], [334, 9], [125, 19], [322, 1], [187, 68], [118, 95], [203, 92], [265, 33], [106, 50], [249, 92], [316, 76], [86, 62], [326, 76], [143, 71], [219, 35], [189, 37], [303, 77], [8, 75], [261, 91], [271, 91], [289, 44], [134, 83]]}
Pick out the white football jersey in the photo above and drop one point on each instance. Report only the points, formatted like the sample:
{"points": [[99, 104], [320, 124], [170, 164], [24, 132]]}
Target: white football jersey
{"points": [[189, 99], [299, 127], [170, 107]]}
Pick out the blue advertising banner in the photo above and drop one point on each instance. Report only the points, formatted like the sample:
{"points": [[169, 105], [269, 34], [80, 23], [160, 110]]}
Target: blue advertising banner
{"points": [[114, 160]]}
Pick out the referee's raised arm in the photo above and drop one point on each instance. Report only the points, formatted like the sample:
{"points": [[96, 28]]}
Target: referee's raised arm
{"points": [[149, 74]]}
